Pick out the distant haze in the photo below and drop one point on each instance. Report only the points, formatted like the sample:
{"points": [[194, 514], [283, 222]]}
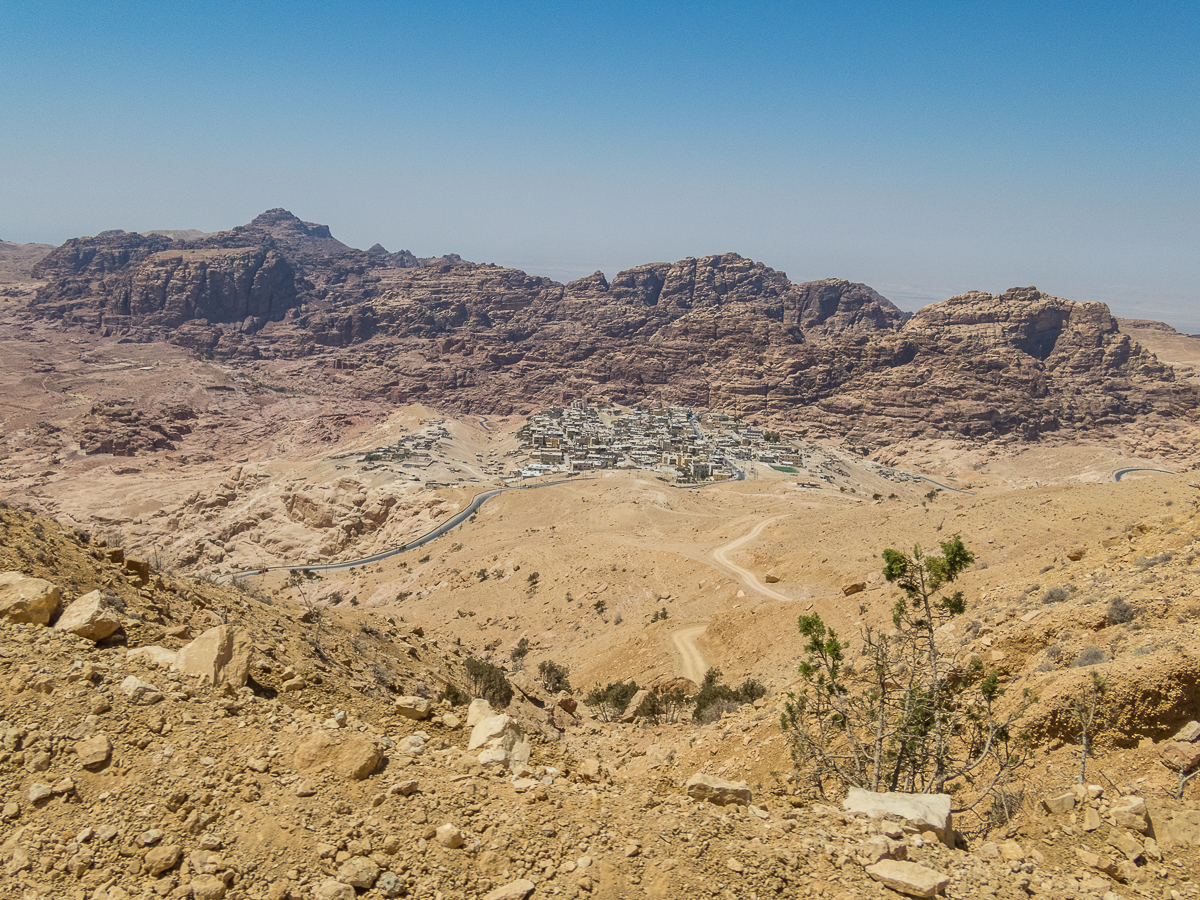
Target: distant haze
{"points": [[925, 150]]}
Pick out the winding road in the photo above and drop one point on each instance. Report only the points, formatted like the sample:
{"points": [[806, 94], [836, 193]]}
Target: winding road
{"points": [[453, 522], [745, 576], [692, 664], [1117, 474]]}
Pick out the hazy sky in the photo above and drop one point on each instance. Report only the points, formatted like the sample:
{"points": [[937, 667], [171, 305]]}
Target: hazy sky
{"points": [[923, 148]]}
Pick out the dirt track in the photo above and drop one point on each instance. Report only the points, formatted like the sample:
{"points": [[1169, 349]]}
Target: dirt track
{"points": [[745, 576], [691, 664]]}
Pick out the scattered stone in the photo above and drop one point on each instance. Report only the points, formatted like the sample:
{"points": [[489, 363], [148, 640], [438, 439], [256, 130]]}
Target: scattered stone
{"points": [[207, 887], [500, 742], [1178, 755], [92, 616], [154, 655], [332, 889], [95, 752], [359, 872], [908, 878], [566, 702], [350, 755], [413, 708], [39, 791], [514, 890], [856, 588], [390, 885], [925, 811], [479, 710], [634, 709], [140, 692], [1076, 554], [161, 858], [718, 791], [449, 836], [1189, 733], [25, 599], [1056, 806]]}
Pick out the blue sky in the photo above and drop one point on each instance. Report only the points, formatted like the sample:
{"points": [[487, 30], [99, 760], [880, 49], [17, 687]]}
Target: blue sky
{"points": [[925, 149]]}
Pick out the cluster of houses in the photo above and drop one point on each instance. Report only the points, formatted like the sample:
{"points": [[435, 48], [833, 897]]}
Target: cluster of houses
{"points": [[693, 445]]}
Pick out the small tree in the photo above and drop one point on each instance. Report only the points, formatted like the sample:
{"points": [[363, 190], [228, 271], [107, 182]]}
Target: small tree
{"points": [[1087, 714], [488, 682], [910, 717]]}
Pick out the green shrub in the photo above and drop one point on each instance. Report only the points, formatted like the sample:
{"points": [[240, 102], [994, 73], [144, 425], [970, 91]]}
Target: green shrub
{"points": [[488, 682], [716, 699], [553, 676], [610, 701]]}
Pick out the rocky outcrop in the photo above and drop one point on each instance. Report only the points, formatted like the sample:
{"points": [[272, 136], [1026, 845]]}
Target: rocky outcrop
{"points": [[119, 279]]}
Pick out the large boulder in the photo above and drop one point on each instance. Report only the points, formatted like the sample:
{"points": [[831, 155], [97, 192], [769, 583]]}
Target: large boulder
{"points": [[926, 811], [92, 616], [500, 742], [351, 756], [220, 656], [26, 599], [718, 791], [416, 708]]}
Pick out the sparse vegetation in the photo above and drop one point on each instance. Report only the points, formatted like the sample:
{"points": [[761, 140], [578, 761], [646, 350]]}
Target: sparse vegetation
{"points": [[1087, 714], [609, 702], [553, 676], [600, 606], [1090, 655], [910, 717], [488, 682], [715, 699], [518, 654], [1119, 611]]}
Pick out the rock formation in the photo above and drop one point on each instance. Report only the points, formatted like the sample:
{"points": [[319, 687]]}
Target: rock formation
{"points": [[717, 331]]}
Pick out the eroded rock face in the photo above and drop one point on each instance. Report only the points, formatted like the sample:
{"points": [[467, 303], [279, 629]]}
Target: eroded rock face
{"points": [[118, 279], [718, 331]]}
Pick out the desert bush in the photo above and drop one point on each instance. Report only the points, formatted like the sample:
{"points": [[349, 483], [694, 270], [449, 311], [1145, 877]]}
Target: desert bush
{"points": [[714, 699], [1148, 562], [1056, 595], [910, 717], [1090, 655], [553, 676], [488, 682], [1119, 611], [1006, 804], [518, 653], [610, 701]]}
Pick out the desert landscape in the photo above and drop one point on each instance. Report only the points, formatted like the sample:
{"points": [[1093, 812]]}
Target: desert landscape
{"points": [[335, 573]]}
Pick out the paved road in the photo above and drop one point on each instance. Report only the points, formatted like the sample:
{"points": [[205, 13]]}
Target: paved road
{"points": [[745, 576], [692, 664], [1117, 474], [453, 522]]}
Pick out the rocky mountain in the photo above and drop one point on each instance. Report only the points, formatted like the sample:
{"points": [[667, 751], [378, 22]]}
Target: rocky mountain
{"points": [[718, 331]]}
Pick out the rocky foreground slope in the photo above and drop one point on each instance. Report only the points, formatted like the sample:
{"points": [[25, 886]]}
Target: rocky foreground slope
{"points": [[220, 745], [719, 331]]}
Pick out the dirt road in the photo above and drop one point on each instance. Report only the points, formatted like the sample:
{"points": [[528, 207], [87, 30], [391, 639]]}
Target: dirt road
{"points": [[691, 664], [745, 576]]}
